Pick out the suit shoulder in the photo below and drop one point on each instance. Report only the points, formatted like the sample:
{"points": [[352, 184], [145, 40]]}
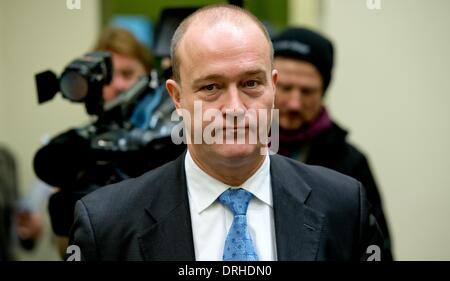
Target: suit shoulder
{"points": [[130, 194], [323, 181], [315, 172]]}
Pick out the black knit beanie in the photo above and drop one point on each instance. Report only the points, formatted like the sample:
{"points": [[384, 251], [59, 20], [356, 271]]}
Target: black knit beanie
{"points": [[306, 45]]}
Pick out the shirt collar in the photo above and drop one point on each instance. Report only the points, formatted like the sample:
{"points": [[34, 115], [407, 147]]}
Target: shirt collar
{"points": [[204, 189]]}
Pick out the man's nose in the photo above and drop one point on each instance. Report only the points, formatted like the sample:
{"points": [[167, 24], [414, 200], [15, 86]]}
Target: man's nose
{"points": [[234, 100], [294, 100]]}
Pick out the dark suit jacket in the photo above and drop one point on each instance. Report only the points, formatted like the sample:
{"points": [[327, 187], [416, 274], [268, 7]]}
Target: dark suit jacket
{"points": [[319, 215]]}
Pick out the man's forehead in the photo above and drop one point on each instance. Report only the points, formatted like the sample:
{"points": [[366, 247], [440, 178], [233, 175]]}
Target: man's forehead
{"points": [[218, 66]]}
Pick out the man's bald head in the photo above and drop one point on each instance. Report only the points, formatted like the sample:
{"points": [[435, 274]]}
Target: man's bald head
{"points": [[208, 16]]}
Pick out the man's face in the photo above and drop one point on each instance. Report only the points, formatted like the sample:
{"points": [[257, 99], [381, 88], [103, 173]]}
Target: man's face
{"points": [[226, 68], [299, 92], [127, 71]]}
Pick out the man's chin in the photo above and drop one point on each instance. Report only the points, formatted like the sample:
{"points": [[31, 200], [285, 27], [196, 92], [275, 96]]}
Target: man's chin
{"points": [[236, 151]]}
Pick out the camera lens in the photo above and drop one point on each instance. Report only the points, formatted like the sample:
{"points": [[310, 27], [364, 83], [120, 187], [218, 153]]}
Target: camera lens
{"points": [[74, 86]]}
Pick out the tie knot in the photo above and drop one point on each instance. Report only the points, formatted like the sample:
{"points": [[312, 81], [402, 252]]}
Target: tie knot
{"points": [[236, 200]]}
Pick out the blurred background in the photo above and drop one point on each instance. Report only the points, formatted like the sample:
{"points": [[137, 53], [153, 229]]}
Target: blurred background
{"points": [[390, 89]]}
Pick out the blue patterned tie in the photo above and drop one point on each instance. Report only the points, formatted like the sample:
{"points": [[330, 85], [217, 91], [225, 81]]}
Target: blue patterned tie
{"points": [[238, 245]]}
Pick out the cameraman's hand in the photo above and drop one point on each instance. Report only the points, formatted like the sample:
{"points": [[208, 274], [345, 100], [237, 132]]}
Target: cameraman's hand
{"points": [[29, 225]]}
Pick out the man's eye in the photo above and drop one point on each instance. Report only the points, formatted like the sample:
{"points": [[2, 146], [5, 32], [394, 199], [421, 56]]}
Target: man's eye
{"points": [[209, 88], [251, 84], [309, 91]]}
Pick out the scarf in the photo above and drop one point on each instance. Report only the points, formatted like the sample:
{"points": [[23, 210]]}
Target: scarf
{"points": [[290, 140]]}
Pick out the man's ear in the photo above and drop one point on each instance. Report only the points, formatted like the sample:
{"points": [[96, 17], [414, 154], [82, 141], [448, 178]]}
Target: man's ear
{"points": [[174, 90], [274, 79], [274, 85]]}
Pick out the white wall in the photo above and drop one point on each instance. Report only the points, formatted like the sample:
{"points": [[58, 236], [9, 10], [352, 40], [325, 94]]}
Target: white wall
{"points": [[391, 89], [36, 36], [2, 82]]}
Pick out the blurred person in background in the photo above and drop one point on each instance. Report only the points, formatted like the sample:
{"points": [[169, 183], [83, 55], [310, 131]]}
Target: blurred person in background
{"points": [[20, 219], [8, 197], [304, 60]]}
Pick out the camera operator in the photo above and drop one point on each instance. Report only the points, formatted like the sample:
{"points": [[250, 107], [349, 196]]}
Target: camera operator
{"points": [[131, 60]]}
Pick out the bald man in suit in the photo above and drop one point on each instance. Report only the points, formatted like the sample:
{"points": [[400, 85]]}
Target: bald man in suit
{"points": [[226, 200]]}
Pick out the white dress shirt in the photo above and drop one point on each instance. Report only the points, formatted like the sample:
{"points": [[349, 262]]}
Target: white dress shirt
{"points": [[211, 220]]}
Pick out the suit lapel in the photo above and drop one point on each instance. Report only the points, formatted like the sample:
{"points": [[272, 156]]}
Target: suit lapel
{"points": [[297, 226], [167, 230]]}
